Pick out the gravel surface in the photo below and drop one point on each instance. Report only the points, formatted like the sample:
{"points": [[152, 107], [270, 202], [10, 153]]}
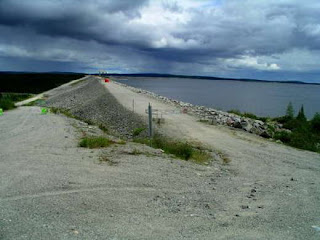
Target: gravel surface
{"points": [[52, 189], [282, 180], [90, 101]]}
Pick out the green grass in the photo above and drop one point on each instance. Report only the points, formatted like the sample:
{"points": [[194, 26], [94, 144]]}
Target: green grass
{"points": [[182, 150], [95, 142], [200, 157], [7, 100], [137, 131], [6, 104]]}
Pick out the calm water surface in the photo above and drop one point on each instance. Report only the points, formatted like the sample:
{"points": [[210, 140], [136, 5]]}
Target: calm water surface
{"points": [[262, 99]]}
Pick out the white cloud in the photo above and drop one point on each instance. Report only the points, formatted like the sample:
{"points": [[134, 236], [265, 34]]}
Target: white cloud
{"points": [[251, 62], [182, 36]]}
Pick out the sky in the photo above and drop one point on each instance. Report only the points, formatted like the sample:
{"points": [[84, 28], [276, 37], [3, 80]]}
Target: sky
{"points": [[261, 39]]}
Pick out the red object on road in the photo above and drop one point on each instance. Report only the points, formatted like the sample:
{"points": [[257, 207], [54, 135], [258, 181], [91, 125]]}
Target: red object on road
{"points": [[107, 80]]}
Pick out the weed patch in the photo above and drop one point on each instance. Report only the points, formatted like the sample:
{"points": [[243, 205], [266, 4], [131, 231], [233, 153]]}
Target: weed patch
{"points": [[95, 142], [103, 128], [182, 150], [136, 132]]}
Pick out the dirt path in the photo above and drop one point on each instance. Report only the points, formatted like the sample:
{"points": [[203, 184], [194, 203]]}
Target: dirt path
{"points": [[281, 179]]}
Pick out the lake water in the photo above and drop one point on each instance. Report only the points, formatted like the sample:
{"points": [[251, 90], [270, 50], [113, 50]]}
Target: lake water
{"points": [[262, 99]]}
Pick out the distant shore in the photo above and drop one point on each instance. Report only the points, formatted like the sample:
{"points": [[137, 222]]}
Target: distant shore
{"points": [[154, 75]]}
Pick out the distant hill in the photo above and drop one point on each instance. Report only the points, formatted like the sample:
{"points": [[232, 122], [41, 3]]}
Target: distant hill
{"points": [[21, 82], [205, 77]]}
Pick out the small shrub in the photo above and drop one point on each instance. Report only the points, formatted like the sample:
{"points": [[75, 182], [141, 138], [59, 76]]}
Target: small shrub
{"points": [[6, 103], [304, 140], [292, 124], [136, 132], [315, 123], [283, 136], [282, 119], [54, 110], [95, 142], [301, 116]]}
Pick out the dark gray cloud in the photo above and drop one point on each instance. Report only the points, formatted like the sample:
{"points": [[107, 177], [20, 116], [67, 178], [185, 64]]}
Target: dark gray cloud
{"points": [[227, 37]]}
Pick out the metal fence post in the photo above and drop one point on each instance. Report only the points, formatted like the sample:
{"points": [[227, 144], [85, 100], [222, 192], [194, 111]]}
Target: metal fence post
{"points": [[150, 120]]}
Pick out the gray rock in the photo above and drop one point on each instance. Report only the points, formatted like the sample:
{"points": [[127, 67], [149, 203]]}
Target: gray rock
{"points": [[246, 125], [265, 134]]}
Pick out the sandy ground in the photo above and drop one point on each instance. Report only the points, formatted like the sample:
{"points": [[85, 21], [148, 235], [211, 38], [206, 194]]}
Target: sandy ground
{"points": [[52, 189]]}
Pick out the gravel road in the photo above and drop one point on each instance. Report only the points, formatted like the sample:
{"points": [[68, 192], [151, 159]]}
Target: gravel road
{"points": [[52, 189], [282, 180]]}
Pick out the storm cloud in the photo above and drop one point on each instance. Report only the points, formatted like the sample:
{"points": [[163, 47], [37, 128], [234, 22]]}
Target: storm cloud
{"points": [[266, 39]]}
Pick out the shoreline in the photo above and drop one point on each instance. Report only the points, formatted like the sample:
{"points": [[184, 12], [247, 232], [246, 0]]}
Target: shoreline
{"points": [[213, 116]]}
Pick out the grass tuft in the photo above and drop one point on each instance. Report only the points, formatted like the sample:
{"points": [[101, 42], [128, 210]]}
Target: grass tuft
{"points": [[136, 132], [103, 128], [182, 150], [200, 157], [95, 142]]}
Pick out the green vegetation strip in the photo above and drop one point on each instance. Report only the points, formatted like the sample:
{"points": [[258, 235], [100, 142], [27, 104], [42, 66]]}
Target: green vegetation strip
{"points": [[95, 142], [182, 150], [7, 100], [303, 134]]}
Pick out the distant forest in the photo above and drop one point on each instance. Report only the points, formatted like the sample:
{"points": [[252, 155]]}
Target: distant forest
{"points": [[34, 82]]}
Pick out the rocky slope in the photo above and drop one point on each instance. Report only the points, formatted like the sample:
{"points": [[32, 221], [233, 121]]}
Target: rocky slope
{"points": [[90, 101]]}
